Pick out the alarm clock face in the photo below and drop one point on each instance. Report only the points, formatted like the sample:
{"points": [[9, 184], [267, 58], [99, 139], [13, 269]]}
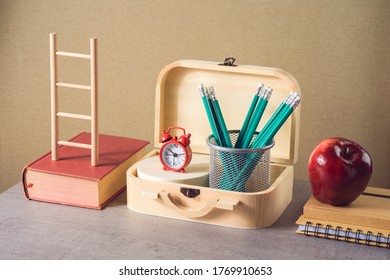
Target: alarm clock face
{"points": [[174, 156]]}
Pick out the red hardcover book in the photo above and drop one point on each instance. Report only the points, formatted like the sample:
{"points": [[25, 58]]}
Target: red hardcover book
{"points": [[72, 180]]}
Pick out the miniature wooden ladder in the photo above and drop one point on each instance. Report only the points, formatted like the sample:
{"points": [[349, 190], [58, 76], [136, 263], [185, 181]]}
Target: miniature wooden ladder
{"points": [[54, 84]]}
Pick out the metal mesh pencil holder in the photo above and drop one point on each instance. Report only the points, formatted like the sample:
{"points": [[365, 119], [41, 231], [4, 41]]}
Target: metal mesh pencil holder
{"points": [[242, 170]]}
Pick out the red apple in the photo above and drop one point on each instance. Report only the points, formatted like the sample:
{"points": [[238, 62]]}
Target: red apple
{"points": [[339, 171]]}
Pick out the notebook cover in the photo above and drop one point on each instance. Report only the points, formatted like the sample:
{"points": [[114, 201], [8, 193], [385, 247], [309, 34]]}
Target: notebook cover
{"points": [[371, 209]]}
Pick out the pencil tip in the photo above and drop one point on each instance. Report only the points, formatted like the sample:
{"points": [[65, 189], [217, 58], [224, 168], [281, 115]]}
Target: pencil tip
{"points": [[259, 88], [202, 89], [267, 93]]}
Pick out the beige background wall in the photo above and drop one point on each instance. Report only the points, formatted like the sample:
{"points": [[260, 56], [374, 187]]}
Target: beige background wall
{"points": [[337, 50]]}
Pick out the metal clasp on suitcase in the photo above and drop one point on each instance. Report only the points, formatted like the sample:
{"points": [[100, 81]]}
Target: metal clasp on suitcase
{"points": [[166, 198], [229, 61]]}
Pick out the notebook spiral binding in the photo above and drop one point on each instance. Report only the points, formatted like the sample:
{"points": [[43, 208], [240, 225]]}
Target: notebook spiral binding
{"points": [[359, 235]]}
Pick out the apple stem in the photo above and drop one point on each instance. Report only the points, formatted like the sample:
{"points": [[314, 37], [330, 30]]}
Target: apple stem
{"points": [[345, 152]]}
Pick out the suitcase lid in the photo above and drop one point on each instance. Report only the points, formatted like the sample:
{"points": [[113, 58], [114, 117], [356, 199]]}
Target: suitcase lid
{"points": [[178, 102]]}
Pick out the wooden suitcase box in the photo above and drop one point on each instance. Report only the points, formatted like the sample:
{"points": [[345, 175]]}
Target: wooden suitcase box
{"points": [[178, 102]]}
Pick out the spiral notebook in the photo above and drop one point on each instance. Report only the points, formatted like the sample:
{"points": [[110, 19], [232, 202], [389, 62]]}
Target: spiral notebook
{"points": [[364, 221]]}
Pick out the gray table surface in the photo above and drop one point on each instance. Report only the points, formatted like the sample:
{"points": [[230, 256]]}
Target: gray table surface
{"points": [[38, 230]]}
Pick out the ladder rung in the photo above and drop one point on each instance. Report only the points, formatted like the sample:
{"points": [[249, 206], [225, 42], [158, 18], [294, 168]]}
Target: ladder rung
{"points": [[79, 55], [73, 86], [75, 144], [75, 116]]}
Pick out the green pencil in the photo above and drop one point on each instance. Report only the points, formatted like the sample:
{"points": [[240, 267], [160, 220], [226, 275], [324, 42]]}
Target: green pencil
{"points": [[216, 130], [258, 113], [230, 161], [282, 114], [248, 117], [225, 139], [210, 114], [272, 121]]}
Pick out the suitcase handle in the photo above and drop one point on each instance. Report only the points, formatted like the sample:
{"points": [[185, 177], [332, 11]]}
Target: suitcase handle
{"points": [[195, 213]]}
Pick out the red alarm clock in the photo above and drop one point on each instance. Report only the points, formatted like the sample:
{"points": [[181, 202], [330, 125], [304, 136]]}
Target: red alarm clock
{"points": [[175, 153]]}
